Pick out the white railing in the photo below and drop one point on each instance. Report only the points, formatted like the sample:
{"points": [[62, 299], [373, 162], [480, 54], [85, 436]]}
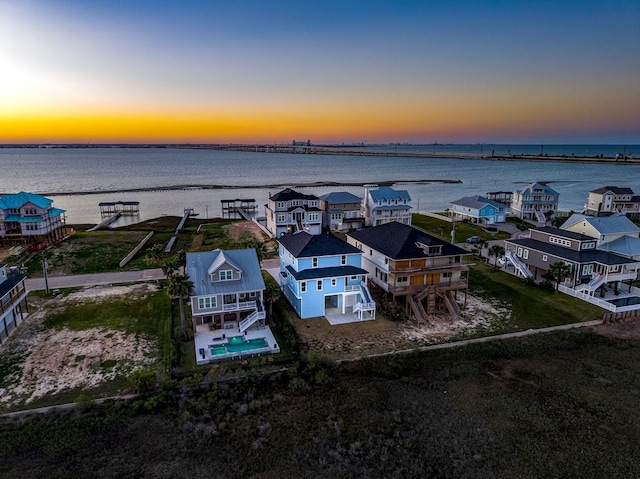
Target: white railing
{"points": [[596, 281], [239, 305], [540, 216], [250, 320], [587, 297], [364, 307]]}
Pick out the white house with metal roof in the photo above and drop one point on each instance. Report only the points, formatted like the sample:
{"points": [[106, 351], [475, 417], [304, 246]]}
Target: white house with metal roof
{"points": [[604, 229], [536, 201], [28, 217], [342, 211], [384, 204], [478, 210], [227, 305]]}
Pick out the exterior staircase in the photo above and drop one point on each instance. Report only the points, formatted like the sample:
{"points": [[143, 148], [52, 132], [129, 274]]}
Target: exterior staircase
{"points": [[518, 264], [417, 309], [540, 217], [250, 320], [591, 286], [452, 306]]}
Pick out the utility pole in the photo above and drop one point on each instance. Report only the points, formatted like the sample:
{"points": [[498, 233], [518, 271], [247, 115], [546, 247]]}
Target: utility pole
{"points": [[45, 267]]}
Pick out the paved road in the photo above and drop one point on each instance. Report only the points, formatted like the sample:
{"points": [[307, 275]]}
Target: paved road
{"points": [[57, 282]]}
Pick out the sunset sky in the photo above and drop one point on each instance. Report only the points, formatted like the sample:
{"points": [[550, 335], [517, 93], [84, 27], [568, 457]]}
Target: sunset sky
{"points": [[330, 71]]}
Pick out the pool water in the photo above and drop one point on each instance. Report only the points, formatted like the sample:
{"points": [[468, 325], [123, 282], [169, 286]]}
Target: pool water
{"points": [[631, 300], [237, 344]]}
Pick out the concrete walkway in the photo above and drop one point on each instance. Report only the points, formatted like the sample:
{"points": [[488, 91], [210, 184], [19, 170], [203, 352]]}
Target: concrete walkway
{"points": [[58, 282]]}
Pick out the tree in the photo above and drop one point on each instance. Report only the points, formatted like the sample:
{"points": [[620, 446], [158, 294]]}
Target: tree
{"points": [[155, 253], [272, 294], [261, 249], [560, 270], [181, 259], [169, 267], [496, 250], [180, 287]]}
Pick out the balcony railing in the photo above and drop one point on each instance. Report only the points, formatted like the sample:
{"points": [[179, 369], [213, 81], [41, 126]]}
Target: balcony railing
{"points": [[12, 298]]}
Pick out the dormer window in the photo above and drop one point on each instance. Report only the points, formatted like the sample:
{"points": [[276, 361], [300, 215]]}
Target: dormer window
{"points": [[225, 275]]}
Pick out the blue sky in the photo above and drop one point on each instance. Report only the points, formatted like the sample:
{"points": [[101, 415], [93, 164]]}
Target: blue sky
{"points": [[249, 71]]}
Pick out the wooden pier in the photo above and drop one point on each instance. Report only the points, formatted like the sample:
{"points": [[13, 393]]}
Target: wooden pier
{"points": [[187, 212], [128, 208], [246, 208], [107, 221]]}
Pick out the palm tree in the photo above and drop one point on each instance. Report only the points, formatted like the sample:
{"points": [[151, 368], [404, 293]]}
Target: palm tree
{"points": [[169, 267], [180, 287], [560, 270], [271, 294], [155, 252], [496, 250], [261, 249], [181, 259]]}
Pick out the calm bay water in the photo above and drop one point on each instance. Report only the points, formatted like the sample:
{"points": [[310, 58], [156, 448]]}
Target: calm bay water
{"points": [[58, 172]]}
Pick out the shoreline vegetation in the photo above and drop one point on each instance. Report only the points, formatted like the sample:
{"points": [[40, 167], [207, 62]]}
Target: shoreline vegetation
{"points": [[315, 184]]}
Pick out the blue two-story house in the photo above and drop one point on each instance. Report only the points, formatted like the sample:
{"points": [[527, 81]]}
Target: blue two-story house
{"points": [[478, 210], [322, 275]]}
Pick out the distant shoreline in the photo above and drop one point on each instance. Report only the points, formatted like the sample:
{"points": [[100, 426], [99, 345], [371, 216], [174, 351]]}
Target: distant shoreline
{"points": [[316, 184], [353, 150]]}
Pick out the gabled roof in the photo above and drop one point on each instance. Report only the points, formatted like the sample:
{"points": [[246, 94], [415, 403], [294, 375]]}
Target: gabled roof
{"points": [[547, 190], [221, 259], [624, 245], [330, 272], [338, 197], [399, 241], [17, 200], [580, 257], [477, 202], [603, 224], [386, 193], [613, 189], [246, 259], [305, 245], [288, 194]]}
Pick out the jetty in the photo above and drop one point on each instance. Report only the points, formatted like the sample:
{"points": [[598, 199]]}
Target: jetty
{"points": [[187, 213], [244, 207], [107, 221]]}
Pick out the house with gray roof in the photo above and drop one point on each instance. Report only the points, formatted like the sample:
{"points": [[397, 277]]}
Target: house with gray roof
{"points": [[478, 210], [342, 211], [384, 204], [227, 306], [289, 211], [322, 275], [536, 202], [413, 267], [604, 229], [613, 200], [594, 271], [27, 217], [13, 301]]}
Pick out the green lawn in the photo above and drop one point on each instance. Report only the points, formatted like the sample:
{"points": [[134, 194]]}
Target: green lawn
{"points": [[442, 229], [531, 306]]}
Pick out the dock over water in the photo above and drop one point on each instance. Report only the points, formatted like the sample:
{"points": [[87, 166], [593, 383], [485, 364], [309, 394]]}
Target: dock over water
{"points": [[108, 208], [244, 207]]}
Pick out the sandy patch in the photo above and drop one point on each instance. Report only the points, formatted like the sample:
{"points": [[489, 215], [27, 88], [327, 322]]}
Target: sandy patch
{"points": [[241, 228], [478, 313], [55, 360]]}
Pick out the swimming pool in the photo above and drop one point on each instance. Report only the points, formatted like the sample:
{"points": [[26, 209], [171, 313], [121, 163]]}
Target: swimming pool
{"points": [[629, 301], [237, 344]]}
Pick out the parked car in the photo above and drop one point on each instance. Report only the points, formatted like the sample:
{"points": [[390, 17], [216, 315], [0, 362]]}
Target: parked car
{"points": [[474, 239], [35, 247], [504, 261]]}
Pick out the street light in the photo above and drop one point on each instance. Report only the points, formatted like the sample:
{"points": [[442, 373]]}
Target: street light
{"points": [[45, 267]]}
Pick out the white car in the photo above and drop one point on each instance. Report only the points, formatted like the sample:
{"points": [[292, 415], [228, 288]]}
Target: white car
{"points": [[504, 261]]}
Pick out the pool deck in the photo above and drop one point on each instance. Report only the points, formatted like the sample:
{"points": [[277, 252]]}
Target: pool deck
{"points": [[204, 338]]}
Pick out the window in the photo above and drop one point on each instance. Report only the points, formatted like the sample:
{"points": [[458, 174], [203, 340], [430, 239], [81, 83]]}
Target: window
{"points": [[519, 251], [343, 259], [207, 302], [560, 241], [319, 285], [525, 254], [314, 262], [280, 218], [334, 282], [587, 269], [401, 279], [544, 257], [314, 216], [226, 275], [303, 286]]}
